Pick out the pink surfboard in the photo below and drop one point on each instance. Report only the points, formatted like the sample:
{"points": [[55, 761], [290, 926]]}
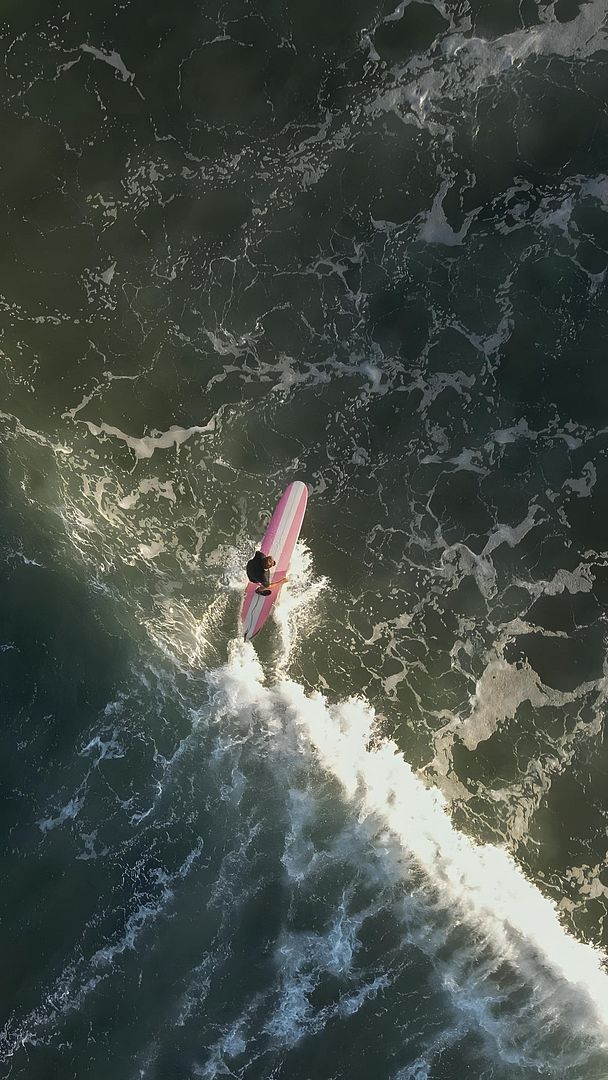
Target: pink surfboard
{"points": [[279, 541]]}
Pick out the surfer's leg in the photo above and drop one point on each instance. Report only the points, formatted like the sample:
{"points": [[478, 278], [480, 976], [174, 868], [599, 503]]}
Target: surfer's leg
{"points": [[267, 589]]}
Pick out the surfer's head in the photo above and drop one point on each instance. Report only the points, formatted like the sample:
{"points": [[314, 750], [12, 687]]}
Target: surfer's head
{"points": [[267, 561]]}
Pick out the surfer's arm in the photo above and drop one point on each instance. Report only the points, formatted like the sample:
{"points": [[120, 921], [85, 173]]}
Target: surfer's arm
{"points": [[275, 584]]}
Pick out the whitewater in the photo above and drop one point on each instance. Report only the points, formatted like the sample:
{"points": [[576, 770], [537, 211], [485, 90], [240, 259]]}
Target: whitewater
{"points": [[448, 879]]}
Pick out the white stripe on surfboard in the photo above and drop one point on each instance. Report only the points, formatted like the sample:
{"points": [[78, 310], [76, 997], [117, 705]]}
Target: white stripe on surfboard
{"points": [[252, 613], [295, 497]]}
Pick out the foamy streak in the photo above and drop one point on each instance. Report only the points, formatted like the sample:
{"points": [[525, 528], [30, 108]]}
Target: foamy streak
{"points": [[145, 447], [482, 881], [296, 600]]}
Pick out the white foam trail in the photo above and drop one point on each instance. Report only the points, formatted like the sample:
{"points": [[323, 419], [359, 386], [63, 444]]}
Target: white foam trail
{"points": [[479, 883], [484, 880], [187, 637], [294, 611]]}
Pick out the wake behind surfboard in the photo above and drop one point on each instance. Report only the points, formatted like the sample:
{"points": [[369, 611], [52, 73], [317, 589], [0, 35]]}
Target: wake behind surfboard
{"points": [[279, 541]]}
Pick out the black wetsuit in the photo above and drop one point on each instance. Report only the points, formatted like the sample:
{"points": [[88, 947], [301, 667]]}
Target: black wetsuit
{"points": [[257, 572]]}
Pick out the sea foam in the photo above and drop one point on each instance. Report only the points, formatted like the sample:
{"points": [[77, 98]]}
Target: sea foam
{"points": [[480, 885]]}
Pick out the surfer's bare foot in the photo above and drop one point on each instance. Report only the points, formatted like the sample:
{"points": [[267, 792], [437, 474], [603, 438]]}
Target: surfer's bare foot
{"points": [[263, 592]]}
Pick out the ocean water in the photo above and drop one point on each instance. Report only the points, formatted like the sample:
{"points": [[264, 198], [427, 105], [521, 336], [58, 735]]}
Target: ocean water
{"points": [[365, 246]]}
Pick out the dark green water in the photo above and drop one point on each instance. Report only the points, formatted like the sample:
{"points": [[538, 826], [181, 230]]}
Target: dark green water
{"points": [[364, 246]]}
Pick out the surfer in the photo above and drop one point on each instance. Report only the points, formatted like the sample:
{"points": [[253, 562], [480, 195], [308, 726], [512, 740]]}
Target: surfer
{"points": [[258, 571]]}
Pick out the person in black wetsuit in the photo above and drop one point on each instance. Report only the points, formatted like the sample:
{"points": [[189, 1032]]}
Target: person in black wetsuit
{"points": [[258, 571]]}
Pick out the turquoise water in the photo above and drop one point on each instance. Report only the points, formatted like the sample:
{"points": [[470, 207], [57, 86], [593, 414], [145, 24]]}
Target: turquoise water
{"points": [[363, 246]]}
